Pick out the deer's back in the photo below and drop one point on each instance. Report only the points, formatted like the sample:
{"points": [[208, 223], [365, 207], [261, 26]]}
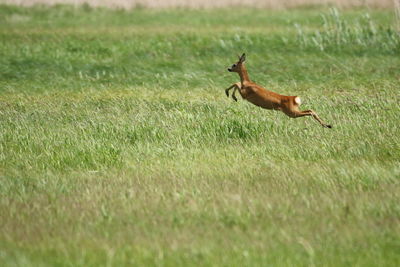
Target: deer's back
{"points": [[262, 97]]}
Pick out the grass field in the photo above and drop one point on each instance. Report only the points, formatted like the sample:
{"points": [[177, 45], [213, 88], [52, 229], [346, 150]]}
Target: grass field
{"points": [[119, 147], [275, 4]]}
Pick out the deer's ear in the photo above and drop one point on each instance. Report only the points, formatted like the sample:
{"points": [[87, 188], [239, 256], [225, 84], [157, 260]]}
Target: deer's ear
{"points": [[242, 58]]}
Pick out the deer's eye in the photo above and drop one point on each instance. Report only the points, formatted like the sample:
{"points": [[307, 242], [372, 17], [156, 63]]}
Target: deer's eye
{"points": [[234, 65]]}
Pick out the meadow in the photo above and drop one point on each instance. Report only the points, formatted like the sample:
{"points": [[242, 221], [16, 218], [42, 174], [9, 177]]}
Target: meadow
{"points": [[118, 146]]}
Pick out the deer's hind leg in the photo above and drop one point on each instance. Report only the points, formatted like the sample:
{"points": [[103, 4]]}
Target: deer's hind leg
{"points": [[312, 113], [295, 112]]}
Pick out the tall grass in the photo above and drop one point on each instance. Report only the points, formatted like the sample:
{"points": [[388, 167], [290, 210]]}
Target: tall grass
{"points": [[336, 33]]}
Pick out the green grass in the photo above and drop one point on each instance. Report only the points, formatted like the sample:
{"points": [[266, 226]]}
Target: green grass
{"points": [[119, 147]]}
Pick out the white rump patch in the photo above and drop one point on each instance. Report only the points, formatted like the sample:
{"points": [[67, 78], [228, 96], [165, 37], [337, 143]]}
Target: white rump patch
{"points": [[297, 100]]}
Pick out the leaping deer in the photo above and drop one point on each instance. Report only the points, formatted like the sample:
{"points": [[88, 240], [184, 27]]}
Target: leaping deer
{"points": [[264, 98]]}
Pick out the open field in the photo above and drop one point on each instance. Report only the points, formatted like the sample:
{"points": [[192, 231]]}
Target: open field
{"points": [[119, 147]]}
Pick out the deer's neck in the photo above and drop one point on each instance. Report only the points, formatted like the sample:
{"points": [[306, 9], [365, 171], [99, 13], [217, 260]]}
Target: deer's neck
{"points": [[244, 76]]}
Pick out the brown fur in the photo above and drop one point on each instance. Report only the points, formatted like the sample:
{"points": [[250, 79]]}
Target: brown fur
{"points": [[264, 98]]}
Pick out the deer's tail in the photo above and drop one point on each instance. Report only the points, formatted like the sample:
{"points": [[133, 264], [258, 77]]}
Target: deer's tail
{"points": [[297, 100]]}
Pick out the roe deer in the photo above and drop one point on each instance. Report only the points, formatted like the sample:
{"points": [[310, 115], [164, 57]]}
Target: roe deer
{"points": [[261, 97]]}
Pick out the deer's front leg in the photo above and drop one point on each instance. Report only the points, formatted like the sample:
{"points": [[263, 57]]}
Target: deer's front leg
{"points": [[236, 86], [229, 88], [233, 93]]}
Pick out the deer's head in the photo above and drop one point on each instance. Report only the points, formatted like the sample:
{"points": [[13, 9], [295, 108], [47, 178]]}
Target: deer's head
{"points": [[238, 65]]}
